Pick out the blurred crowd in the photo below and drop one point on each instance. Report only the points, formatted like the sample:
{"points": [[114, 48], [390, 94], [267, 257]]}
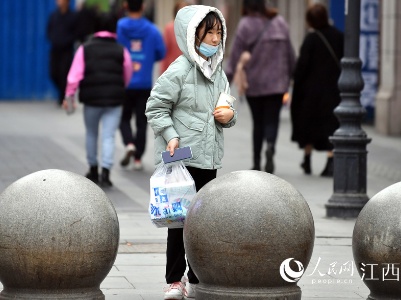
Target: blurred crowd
{"points": [[261, 67]]}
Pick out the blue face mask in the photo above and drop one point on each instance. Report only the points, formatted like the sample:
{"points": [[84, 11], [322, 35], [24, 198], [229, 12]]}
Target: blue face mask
{"points": [[207, 50]]}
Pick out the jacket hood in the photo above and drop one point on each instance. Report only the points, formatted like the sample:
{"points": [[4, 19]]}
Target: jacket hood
{"points": [[185, 24], [134, 28]]}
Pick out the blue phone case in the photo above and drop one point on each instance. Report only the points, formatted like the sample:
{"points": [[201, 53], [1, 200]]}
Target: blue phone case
{"points": [[179, 154]]}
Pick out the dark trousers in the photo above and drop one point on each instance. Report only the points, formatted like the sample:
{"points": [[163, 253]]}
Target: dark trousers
{"points": [[176, 262], [266, 116], [60, 63], [135, 101]]}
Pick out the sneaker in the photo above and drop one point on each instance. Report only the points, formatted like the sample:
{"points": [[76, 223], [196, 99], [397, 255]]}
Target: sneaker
{"points": [[130, 151], [138, 165], [190, 289], [176, 291]]}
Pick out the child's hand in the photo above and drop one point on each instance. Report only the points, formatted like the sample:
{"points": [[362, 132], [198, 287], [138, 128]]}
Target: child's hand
{"points": [[172, 145], [223, 115]]}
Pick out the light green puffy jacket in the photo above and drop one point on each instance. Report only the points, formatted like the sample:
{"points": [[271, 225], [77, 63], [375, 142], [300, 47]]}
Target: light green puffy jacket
{"points": [[183, 98]]}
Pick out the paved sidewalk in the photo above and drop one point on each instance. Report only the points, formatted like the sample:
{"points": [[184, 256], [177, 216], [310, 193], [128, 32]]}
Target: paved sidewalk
{"points": [[37, 135]]}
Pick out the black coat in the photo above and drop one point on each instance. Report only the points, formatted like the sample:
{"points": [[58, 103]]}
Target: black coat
{"points": [[315, 93]]}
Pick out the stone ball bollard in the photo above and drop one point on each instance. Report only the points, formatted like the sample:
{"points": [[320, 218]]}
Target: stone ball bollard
{"points": [[59, 237], [376, 243], [248, 235]]}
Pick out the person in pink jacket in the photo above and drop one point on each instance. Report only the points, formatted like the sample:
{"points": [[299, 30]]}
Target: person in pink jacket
{"points": [[101, 69]]}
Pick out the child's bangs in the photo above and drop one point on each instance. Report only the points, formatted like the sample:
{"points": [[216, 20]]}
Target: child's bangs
{"points": [[211, 20]]}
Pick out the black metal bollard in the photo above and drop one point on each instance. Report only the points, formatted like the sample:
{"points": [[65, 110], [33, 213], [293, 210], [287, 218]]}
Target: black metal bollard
{"points": [[349, 140], [376, 244], [59, 236], [248, 235]]}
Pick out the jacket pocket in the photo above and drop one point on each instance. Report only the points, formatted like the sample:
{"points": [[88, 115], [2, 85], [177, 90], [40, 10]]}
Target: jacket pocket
{"points": [[191, 131]]}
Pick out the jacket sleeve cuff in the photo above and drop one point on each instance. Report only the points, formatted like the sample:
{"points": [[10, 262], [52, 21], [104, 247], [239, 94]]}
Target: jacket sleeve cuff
{"points": [[169, 133], [233, 119]]}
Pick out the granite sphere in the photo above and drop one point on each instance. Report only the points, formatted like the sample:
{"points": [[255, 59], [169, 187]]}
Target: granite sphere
{"points": [[376, 243], [59, 236], [239, 230]]}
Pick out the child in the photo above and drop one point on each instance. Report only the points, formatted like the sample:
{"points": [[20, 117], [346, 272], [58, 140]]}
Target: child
{"points": [[181, 111], [101, 69]]}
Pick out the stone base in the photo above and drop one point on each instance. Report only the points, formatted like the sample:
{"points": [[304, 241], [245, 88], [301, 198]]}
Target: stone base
{"points": [[341, 211], [33, 294], [210, 292], [345, 206]]}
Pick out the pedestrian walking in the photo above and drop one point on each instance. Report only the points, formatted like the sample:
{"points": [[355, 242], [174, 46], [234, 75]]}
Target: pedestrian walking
{"points": [[181, 111], [263, 33], [101, 69], [146, 46], [316, 93], [172, 49], [88, 18], [62, 34]]}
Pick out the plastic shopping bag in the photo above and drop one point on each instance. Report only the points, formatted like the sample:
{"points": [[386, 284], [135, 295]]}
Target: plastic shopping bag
{"points": [[171, 191]]}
